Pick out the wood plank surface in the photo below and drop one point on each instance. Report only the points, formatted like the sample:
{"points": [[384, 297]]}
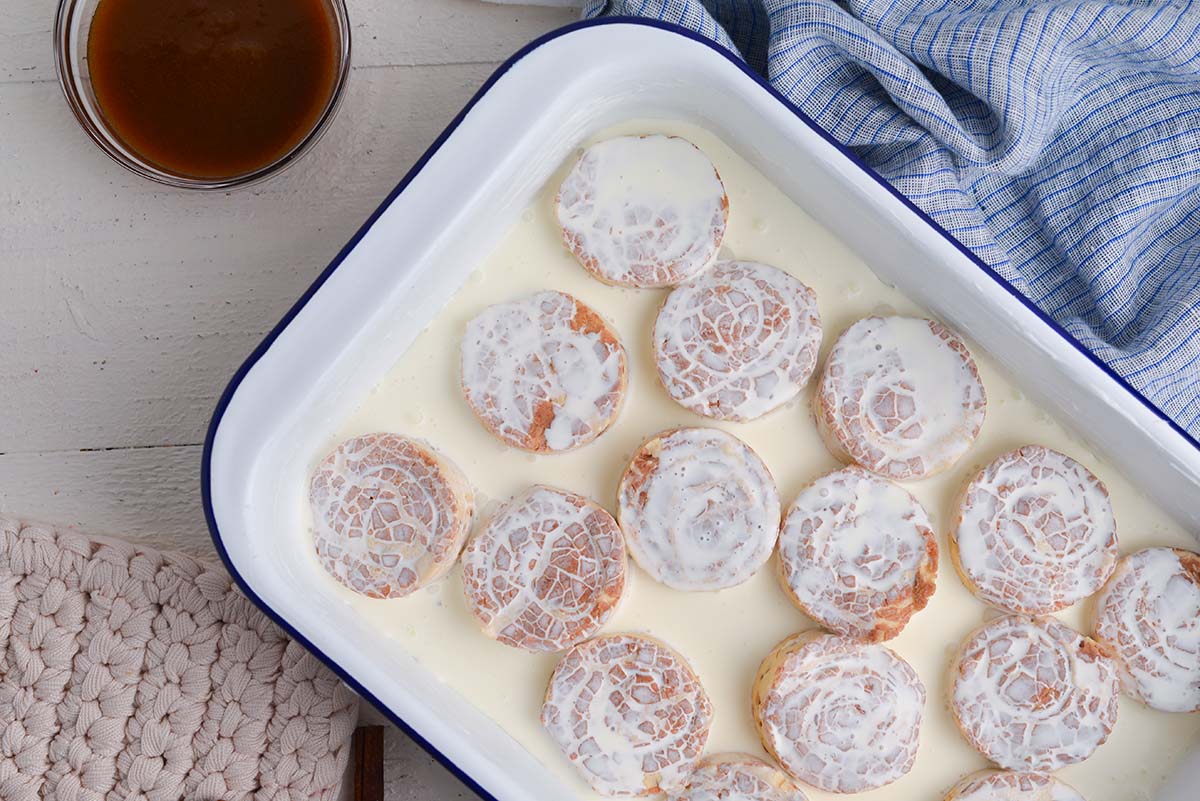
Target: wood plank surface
{"points": [[137, 303], [150, 495]]}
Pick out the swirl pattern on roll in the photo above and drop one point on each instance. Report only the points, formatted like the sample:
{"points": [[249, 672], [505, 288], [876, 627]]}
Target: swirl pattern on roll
{"points": [[857, 554], [837, 713], [1032, 694], [699, 509], [546, 373], [643, 211], [1002, 785], [1035, 532], [738, 341], [738, 777], [546, 572], [389, 514], [629, 713], [1149, 614], [900, 396]]}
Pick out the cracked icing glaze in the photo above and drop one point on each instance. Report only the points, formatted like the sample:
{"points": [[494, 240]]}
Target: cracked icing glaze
{"points": [[1033, 694], [1035, 532], [699, 509], [389, 514], [738, 777], [629, 713], [857, 554], [839, 714], [643, 211], [545, 373], [738, 341], [1000, 785], [725, 634], [900, 396], [1149, 614], [546, 571]]}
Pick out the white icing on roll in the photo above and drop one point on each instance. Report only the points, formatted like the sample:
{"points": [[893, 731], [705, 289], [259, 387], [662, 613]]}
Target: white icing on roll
{"points": [[699, 509], [1033, 694], [842, 715], [389, 514], [738, 341], [738, 777], [546, 572], [1149, 614], [545, 373], [998, 785], [629, 713], [900, 396], [857, 554], [643, 211], [1035, 532]]}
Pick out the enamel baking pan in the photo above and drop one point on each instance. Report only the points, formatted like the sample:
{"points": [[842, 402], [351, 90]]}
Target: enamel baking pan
{"points": [[450, 210]]}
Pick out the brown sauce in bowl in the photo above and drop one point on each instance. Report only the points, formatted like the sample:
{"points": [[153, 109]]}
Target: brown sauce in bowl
{"points": [[212, 88]]}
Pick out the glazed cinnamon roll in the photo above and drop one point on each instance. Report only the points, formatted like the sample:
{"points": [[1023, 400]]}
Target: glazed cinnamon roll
{"points": [[1035, 532], [1149, 614], [900, 396], [699, 509], [629, 713], [1002, 785], [546, 572], [1033, 694], [643, 211], [389, 514], [738, 341], [858, 555], [738, 777], [545, 374], [839, 714]]}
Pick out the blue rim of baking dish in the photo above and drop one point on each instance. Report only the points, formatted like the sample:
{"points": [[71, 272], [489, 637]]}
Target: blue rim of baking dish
{"points": [[235, 382]]}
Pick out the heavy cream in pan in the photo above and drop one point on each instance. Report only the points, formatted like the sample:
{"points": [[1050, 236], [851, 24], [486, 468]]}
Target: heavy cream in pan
{"points": [[724, 635]]}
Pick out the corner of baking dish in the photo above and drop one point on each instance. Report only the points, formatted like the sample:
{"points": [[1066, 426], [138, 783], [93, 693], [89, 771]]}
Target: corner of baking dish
{"points": [[471, 166]]}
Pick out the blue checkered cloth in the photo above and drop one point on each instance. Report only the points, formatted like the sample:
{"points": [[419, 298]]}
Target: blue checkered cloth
{"points": [[1058, 139]]}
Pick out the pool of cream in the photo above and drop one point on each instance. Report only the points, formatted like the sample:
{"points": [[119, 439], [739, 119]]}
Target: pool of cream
{"points": [[723, 634]]}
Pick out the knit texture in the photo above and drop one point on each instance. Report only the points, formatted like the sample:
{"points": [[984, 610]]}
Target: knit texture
{"points": [[1058, 139], [130, 674]]}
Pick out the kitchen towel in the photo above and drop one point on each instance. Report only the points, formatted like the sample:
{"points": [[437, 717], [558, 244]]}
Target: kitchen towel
{"points": [[1058, 139], [127, 673]]}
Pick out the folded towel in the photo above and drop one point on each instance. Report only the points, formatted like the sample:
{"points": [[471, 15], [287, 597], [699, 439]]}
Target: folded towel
{"points": [[1058, 139]]}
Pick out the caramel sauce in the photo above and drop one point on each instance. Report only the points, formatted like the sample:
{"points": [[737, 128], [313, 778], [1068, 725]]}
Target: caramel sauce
{"points": [[212, 88]]}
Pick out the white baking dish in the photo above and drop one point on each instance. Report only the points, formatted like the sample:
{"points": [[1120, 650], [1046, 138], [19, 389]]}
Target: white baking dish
{"points": [[422, 243]]}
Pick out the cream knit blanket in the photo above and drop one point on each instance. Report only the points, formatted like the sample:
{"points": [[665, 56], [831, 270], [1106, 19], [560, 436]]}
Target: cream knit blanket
{"points": [[128, 674]]}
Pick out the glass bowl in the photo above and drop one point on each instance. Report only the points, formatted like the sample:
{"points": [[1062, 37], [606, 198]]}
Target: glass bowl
{"points": [[71, 27]]}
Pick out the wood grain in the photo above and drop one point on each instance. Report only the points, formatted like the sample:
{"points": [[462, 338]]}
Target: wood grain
{"points": [[150, 495], [126, 308], [367, 763]]}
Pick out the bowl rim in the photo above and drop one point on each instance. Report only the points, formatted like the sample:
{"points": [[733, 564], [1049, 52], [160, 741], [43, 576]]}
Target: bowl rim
{"points": [[66, 61]]}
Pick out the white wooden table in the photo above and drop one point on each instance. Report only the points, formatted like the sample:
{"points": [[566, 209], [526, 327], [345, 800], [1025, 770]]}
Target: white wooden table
{"points": [[125, 307]]}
